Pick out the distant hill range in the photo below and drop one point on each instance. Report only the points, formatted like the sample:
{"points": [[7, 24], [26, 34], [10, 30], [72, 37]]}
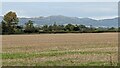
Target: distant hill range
{"points": [[59, 19]]}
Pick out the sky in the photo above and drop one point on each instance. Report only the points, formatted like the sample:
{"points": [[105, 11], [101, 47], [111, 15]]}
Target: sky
{"points": [[96, 10], [59, 0]]}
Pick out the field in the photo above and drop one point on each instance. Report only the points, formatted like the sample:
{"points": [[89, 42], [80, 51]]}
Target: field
{"points": [[83, 49]]}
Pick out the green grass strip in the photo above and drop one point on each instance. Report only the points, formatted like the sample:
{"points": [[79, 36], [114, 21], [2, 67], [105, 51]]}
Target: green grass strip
{"points": [[46, 54]]}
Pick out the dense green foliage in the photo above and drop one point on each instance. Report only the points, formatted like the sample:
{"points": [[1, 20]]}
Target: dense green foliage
{"points": [[10, 26]]}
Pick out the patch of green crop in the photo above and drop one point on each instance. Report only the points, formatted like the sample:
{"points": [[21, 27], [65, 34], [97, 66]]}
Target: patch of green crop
{"points": [[70, 62], [46, 54]]}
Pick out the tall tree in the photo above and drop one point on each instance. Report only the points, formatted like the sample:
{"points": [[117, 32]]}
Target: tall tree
{"points": [[45, 28], [69, 27], [29, 27], [9, 23], [82, 28], [76, 28], [54, 26]]}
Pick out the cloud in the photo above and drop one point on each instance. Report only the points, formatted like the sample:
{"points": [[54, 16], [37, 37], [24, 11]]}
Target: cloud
{"points": [[103, 17]]}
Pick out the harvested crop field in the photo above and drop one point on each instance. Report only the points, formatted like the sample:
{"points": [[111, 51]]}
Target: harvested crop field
{"points": [[82, 49]]}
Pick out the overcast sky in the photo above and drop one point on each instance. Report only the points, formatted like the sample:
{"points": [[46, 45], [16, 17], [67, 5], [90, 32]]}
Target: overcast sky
{"points": [[97, 10], [60, 0]]}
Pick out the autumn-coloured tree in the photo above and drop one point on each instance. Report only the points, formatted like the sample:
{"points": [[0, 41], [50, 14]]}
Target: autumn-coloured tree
{"points": [[9, 23]]}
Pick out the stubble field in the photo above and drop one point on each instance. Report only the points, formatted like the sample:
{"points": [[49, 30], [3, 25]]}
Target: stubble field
{"points": [[84, 49]]}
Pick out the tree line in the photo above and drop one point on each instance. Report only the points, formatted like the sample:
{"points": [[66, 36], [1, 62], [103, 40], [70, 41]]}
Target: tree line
{"points": [[9, 25]]}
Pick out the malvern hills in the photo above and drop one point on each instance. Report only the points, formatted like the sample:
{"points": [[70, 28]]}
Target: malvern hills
{"points": [[59, 19]]}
